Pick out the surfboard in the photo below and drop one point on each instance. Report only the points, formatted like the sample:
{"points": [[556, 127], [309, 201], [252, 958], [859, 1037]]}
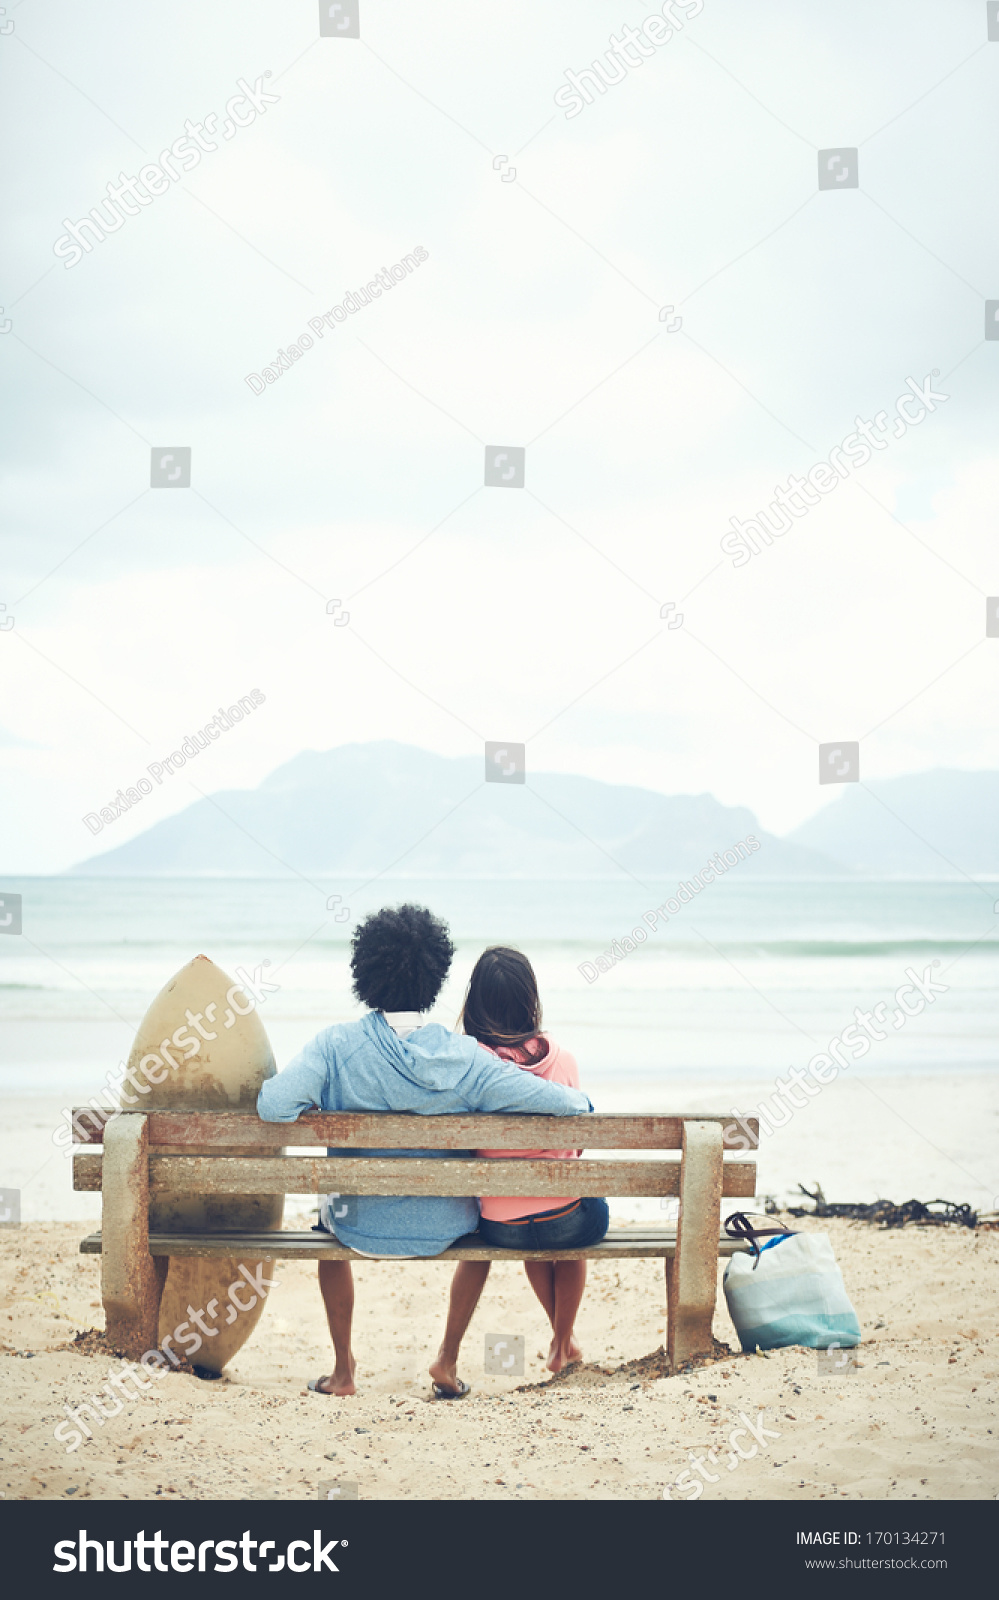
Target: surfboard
{"points": [[204, 1029]]}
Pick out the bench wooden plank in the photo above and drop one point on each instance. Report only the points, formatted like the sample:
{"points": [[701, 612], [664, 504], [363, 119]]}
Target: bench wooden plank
{"points": [[131, 1282], [387, 1130], [619, 1245], [373, 1175], [692, 1275]]}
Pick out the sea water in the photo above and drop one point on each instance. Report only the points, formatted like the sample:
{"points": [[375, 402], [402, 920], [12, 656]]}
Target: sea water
{"points": [[748, 975]]}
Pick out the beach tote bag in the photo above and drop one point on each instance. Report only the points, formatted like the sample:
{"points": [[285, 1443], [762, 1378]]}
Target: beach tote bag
{"points": [[787, 1291]]}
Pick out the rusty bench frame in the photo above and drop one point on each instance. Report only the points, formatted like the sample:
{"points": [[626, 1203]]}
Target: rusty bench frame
{"points": [[132, 1168]]}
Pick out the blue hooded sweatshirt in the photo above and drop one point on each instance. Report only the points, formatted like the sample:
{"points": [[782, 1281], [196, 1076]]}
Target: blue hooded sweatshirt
{"points": [[365, 1066]]}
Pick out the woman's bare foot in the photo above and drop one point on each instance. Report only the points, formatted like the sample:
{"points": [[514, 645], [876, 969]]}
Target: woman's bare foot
{"points": [[340, 1381], [563, 1355]]}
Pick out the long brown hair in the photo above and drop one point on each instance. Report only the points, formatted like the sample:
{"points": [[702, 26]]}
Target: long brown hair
{"points": [[502, 1006]]}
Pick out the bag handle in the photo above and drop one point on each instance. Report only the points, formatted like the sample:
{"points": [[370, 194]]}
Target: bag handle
{"points": [[738, 1226]]}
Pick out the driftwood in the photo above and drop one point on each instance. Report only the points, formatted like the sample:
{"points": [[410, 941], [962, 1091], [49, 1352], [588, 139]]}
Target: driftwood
{"points": [[885, 1212]]}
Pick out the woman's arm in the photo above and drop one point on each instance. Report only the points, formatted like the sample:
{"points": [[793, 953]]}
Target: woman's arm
{"points": [[300, 1087], [496, 1085]]}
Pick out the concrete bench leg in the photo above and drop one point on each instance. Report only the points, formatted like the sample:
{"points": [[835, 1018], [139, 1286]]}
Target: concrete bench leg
{"points": [[692, 1275], [131, 1281]]}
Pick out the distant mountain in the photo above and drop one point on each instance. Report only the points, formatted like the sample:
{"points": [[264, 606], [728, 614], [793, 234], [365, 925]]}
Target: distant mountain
{"points": [[927, 825], [363, 808]]}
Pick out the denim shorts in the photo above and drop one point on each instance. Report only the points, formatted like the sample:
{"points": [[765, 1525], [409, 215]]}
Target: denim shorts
{"points": [[570, 1228]]}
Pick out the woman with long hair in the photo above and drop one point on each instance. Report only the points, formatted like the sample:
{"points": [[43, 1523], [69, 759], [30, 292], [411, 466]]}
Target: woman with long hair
{"points": [[502, 1010]]}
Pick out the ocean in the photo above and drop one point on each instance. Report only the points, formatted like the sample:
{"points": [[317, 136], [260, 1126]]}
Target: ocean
{"points": [[745, 981]]}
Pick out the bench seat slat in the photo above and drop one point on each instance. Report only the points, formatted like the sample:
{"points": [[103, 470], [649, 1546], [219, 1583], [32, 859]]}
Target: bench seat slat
{"points": [[619, 1244], [389, 1130], [373, 1175]]}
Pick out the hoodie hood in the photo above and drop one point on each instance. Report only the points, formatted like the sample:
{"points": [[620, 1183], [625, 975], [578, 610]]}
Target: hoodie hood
{"points": [[539, 1065], [432, 1058]]}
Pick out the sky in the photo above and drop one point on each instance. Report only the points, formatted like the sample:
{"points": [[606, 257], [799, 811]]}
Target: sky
{"points": [[338, 548]]}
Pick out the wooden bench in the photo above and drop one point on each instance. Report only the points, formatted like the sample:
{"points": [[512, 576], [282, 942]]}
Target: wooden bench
{"points": [[131, 1171]]}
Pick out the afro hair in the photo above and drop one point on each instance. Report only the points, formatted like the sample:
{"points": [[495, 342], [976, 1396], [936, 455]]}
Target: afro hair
{"points": [[400, 957]]}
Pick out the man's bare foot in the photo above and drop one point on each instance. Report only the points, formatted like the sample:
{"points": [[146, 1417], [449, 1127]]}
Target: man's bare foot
{"points": [[564, 1355], [444, 1371], [339, 1382]]}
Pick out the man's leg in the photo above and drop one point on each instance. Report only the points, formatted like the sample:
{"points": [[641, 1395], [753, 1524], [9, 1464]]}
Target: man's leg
{"points": [[336, 1281], [466, 1287]]}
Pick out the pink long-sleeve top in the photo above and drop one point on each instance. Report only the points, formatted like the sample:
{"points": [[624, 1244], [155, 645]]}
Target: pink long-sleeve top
{"points": [[558, 1066]]}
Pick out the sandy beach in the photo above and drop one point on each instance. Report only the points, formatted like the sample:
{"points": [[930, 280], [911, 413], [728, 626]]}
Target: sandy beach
{"points": [[916, 1420]]}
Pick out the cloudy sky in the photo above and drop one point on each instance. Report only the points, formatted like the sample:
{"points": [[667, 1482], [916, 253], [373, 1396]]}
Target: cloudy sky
{"points": [[553, 243]]}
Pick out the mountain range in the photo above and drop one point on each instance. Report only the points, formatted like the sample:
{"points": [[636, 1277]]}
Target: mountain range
{"points": [[936, 824], [362, 808], [369, 808]]}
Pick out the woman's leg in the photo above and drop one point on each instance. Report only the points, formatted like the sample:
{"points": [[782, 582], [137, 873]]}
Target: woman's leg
{"points": [[570, 1281], [558, 1285], [581, 1228], [539, 1276], [466, 1287], [336, 1281], [554, 1283]]}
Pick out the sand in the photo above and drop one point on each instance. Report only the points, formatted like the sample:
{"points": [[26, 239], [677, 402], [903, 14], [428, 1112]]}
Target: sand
{"points": [[916, 1420]]}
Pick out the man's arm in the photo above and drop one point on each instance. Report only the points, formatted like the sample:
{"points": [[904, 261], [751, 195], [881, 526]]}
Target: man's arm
{"points": [[497, 1085], [298, 1088]]}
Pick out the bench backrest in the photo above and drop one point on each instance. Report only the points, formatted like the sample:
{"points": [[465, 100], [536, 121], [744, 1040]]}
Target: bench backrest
{"points": [[268, 1171]]}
